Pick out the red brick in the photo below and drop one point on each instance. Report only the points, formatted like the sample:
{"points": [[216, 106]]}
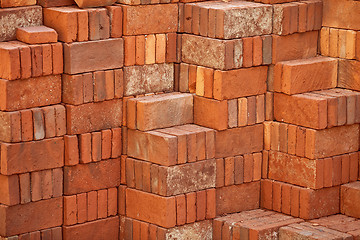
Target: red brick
{"points": [[210, 113], [107, 228], [115, 13], [102, 203], [349, 74], [190, 207], [12, 156], [307, 72], [238, 141], [82, 211], [15, 94], [36, 34], [92, 205], [151, 208], [234, 83], [350, 195], [71, 150], [135, 16], [237, 198], [180, 210], [44, 214], [58, 61], [70, 210], [103, 174], [104, 55], [266, 197], [96, 146], [332, 18], [10, 189], [294, 46], [12, 18], [25, 189], [111, 116]]}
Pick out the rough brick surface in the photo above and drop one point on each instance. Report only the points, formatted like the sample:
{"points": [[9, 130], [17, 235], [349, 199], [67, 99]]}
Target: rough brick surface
{"points": [[350, 194]]}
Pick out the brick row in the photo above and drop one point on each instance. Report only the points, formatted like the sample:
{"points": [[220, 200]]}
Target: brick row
{"points": [[341, 223], [220, 85], [134, 229], [340, 43], [150, 49], [46, 234], [153, 78], [170, 146], [311, 143], [226, 21], [325, 172], [31, 187], [21, 60], [172, 211], [238, 170], [310, 231], [92, 147], [298, 201], [318, 109], [78, 25], [33, 124], [90, 206], [229, 54], [233, 113], [169, 181], [254, 224], [295, 17], [92, 87]]}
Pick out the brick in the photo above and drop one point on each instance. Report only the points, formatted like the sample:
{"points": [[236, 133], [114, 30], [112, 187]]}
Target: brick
{"points": [[291, 47], [103, 174], [71, 150], [210, 113], [349, 196], [289, 74], [8, 4], [10, 68], [12, 18], [111, 116], [288, 168], [44, 214], [70, 210], [10, 189], [92, 205], [148, 79], [348, 74], [209, 52], [104, 55], [135, 16], [15, 94], [107, 228], [151, 208], [198, 230], [12, 129], [36, 35], [316, 140], [291, 109], [229, 202], [178, 105], [237, 141], [225, 83], [86, 4], [12, 156], [115, 13], [191, 207], [332, 18], [248, 52]]}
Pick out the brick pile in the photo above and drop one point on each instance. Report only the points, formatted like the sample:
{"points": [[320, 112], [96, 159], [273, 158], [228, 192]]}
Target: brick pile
{"points": [[179, 119]]}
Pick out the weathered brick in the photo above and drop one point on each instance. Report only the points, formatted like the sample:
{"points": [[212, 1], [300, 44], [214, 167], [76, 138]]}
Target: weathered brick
{"points": [[350, 195]]}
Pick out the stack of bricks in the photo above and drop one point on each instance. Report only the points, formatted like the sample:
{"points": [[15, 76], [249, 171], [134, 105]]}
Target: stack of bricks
{"points": [[179, 119]]}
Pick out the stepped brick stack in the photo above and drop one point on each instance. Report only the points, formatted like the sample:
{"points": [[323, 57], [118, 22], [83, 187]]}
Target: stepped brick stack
{"points": [[179, 119]]}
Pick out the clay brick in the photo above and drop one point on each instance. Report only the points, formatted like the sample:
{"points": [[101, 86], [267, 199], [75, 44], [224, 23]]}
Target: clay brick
{"points": [[237, 141], [129, 50], [151, 78], [290, 47], [349, 74], [110, 117], [140, 50], [15, 94], [115, 13], [295, 167], [10, 67], [147, 107], [70, 210], [44, 214], [36, 35], [107, 228], [225, 83], [10, 189], [151, 208], [190, 207], [336, 139], [289, 74], [13, 18], [103, 174], [349, 196], [104, 54], [96, 146], [301, 109], [8, 3], [210, 113], [12, 156], [135, 16], [332, 18], [233, 198], [71, 150]]}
